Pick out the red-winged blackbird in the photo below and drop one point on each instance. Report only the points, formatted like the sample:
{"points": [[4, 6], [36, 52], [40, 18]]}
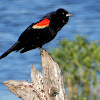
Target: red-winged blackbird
{"points": [[41, 32]]}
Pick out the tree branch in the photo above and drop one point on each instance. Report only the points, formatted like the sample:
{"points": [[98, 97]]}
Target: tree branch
{"points": [[48, 87]]}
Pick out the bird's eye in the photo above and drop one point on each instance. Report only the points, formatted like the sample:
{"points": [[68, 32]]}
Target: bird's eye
{"points": [[63, 13]]}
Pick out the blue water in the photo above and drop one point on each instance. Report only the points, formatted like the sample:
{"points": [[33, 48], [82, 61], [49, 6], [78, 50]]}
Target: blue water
{"points": [[17, 15]]}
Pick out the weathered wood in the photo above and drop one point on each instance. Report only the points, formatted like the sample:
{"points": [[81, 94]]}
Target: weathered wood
{"points": [[28, 91], [53, 81], [48, 87]]}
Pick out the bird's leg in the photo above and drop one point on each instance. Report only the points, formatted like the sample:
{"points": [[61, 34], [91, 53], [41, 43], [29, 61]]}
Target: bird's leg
{"points": [[41, 50]]}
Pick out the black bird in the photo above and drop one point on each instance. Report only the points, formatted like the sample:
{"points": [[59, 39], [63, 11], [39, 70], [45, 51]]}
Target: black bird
{"points": [[41, 32]]}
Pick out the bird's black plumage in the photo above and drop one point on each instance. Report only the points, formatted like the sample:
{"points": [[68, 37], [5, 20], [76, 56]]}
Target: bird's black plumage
{"points": [[41, 32]]}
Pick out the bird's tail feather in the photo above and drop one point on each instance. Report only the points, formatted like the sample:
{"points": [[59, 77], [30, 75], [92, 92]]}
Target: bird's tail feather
{"points": [[10, 50]]}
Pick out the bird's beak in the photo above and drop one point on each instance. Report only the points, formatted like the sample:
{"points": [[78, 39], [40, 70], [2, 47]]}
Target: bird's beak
{"points": [[69, 15]]}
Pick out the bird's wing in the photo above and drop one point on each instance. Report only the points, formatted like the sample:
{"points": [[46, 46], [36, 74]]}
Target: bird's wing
{"points": [[41, 24], [32, 33]]}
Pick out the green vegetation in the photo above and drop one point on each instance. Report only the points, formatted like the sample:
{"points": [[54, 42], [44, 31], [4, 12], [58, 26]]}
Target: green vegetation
{"points": [[79, 61]]}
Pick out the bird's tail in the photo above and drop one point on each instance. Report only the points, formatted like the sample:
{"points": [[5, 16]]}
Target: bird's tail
{"points": [[13, 48]]}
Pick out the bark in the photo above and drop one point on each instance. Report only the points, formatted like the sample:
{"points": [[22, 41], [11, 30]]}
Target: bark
{"points": [[50, 86]]}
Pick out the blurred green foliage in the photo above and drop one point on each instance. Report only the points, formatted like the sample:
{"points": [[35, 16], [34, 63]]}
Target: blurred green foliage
{"points": [[78, 97], [79, 61]]}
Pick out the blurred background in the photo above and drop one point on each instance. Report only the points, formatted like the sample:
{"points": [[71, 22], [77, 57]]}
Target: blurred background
{"points": [[17, 15]]}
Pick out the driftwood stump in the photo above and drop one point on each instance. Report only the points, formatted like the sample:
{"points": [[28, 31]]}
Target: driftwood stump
{"points": [[50, 86]]}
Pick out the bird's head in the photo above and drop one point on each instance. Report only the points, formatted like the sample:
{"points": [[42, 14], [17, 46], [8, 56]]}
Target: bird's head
{"points": [[63, 15]]}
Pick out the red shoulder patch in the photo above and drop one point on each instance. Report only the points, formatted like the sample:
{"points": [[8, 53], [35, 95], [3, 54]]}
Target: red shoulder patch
{"points": [[42, 24]]}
